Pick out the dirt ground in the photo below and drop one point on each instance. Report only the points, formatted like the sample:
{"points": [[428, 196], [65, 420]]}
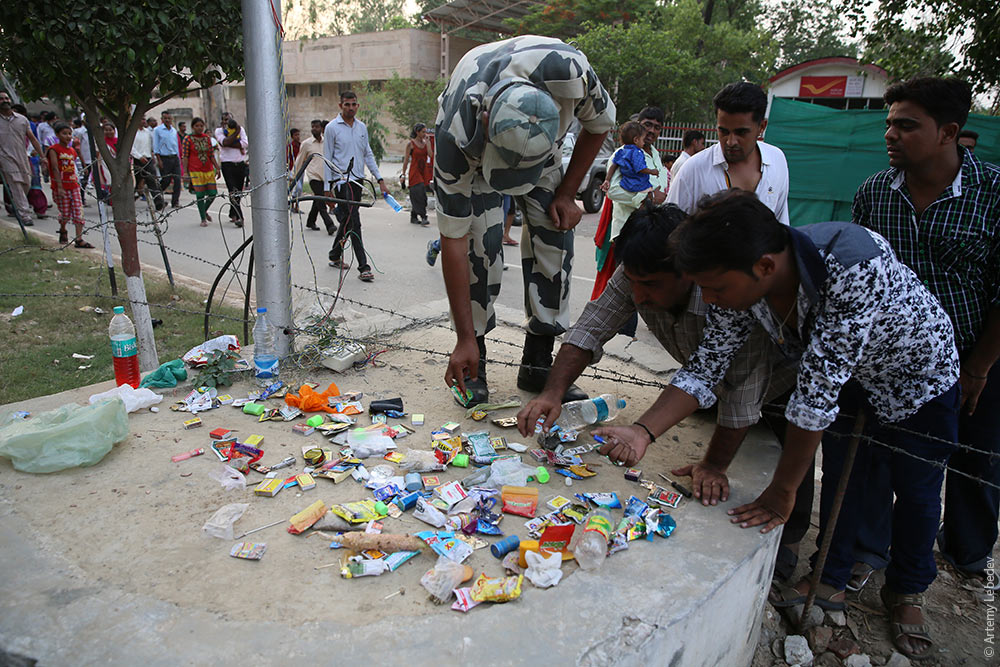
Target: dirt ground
{"points": [[961, 620]]}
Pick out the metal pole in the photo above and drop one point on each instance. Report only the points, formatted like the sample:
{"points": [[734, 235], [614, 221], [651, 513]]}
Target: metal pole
{"points": [[266, 114], [831, 522]]}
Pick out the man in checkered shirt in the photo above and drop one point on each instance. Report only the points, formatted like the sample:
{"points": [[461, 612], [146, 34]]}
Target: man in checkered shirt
{"points": [[939, 207]]}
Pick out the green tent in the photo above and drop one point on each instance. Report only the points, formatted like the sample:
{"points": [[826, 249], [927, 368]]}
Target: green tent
{"points": [[831, 152]]}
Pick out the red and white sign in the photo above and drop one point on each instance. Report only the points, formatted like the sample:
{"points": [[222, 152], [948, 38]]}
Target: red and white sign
{"points": [[822, 86]]}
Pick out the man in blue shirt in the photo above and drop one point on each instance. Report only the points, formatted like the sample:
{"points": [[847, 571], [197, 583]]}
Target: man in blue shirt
{"points": [[167, 159], [345, 144]]}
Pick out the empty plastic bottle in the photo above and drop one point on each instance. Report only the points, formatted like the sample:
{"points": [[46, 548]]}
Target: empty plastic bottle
{"points": [[592, 547], [124, 349], [265, 357], [577, 414]]}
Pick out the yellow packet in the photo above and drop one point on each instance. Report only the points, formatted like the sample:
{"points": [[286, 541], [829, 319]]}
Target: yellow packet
{"points": [[307, 517], [499, 589]]}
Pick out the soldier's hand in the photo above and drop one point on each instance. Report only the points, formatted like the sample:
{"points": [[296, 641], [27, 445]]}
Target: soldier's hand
{"points": [[564, 212], [463, 363]]}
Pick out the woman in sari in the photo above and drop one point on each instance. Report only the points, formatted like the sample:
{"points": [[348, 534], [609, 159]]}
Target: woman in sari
{"points": [[198, 156]]}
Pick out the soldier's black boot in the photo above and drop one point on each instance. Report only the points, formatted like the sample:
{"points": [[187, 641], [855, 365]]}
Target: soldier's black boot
{"points": [[480, 390], [535, 363]]}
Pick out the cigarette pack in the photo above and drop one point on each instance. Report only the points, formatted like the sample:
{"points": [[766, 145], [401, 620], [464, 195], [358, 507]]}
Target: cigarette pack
{"points": [[269, 487], [253, 440], [193, 423], [305, 481]]}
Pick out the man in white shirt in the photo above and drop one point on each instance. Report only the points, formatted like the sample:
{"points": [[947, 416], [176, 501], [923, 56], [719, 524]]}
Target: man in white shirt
{"points": [[693, 142], [314, 175], [233, 146], [80, 133], [740, 159], [143, 165]]}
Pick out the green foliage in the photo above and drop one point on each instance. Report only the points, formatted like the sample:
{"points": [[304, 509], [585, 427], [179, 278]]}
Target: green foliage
{"points": [[561, 18], [907, 52], [412, 101], [219, 370], [806, 30], [119, 53], [398, 22], [972, 25], [427, 5], [372, 15], [372, 100], [678, 63]]}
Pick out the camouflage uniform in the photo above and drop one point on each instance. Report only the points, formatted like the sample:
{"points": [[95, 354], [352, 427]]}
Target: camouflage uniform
{"points": [[470, 179]]}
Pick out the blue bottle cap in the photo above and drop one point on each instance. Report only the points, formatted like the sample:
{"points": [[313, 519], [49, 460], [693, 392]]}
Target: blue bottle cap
{"points": [[119, 310], [262, 310]]}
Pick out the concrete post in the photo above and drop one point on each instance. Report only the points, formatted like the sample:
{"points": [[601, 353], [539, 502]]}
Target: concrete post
{"points": [[265, 89]]}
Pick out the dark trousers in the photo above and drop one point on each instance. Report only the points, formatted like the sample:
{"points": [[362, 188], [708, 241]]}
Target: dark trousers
{"points": [[170, 172], [319, 207], [350, 226], [916, 485], [235, 175], [969, 530], [970, 508], [144, 173], [418, 202]]}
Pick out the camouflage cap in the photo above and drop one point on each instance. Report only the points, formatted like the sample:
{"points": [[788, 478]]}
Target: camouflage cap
{"points": [[523, 129]]}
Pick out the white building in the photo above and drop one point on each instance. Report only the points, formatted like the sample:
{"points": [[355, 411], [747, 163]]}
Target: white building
{"points": [[837, 82]]}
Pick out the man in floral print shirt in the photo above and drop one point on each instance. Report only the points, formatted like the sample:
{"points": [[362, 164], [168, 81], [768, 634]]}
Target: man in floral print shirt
{"points": [[869, 338]]}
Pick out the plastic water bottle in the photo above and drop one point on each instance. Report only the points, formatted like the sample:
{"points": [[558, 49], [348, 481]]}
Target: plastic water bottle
{"points": [[592, 547], [391, 201], [265, 357], [124, 349], [577, 414]]}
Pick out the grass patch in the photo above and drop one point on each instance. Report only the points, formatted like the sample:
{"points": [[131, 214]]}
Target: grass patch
{"points": [[36, 358]]}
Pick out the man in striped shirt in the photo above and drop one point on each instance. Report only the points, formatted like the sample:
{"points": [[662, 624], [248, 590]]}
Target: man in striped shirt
{"points": [[939, 208]]}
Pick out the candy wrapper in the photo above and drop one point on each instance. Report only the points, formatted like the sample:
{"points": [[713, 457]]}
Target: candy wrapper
{"points": [[607, 500], [519, 500], [307, 517], [464, 601], [635, 507], [660, 523], [444, 544], [249, 550], [361, 511], [500, 589]]}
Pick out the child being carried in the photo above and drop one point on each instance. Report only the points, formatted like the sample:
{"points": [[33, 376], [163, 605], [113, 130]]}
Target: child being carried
{"points": [[631, 160]]}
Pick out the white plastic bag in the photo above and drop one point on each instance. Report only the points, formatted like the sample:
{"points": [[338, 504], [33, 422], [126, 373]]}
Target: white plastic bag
{"points": [[543, 571], [367, 443], [429, 514], [421, 460], [442, 581], [221, 523], [229, 478], [134, 399], [198, 354], [509, 472]]}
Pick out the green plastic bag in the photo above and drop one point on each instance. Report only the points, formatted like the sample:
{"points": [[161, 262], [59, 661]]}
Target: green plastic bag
{"points": [[70, 436], [167, 375]]}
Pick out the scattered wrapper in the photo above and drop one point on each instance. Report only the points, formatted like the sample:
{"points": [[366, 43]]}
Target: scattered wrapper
{"points": [[249, 550]]}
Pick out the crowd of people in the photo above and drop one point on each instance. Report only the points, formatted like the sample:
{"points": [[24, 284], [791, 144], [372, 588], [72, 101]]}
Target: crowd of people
{"points": [[888, 325], [164, 160]]}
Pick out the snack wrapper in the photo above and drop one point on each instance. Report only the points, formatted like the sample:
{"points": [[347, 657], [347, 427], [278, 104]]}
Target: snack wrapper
{"points": [[519, 500], [499, 589], [249, 550], [307, 517]]}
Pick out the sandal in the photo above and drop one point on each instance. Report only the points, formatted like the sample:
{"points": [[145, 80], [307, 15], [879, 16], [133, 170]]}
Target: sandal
{"points": [[860, 574], [782, 596], [892, 600], [80, 243], [63, 236], [367, 276]]}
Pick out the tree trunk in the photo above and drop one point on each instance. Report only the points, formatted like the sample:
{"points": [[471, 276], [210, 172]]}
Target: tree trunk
{"points": [[123, 202]]}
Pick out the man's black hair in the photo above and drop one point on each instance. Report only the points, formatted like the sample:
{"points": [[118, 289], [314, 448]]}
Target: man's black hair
{"points": [[730, 231], [48, 115], [642, 244], [348, 95], [291, 132], [60, 126], [968, 134], [742, 97], [652, 113], [946, 100], [692, 136], [317, 120]]}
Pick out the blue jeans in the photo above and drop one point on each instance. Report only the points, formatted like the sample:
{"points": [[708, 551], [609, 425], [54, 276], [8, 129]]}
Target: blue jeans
{"points": [[916, 484]]}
